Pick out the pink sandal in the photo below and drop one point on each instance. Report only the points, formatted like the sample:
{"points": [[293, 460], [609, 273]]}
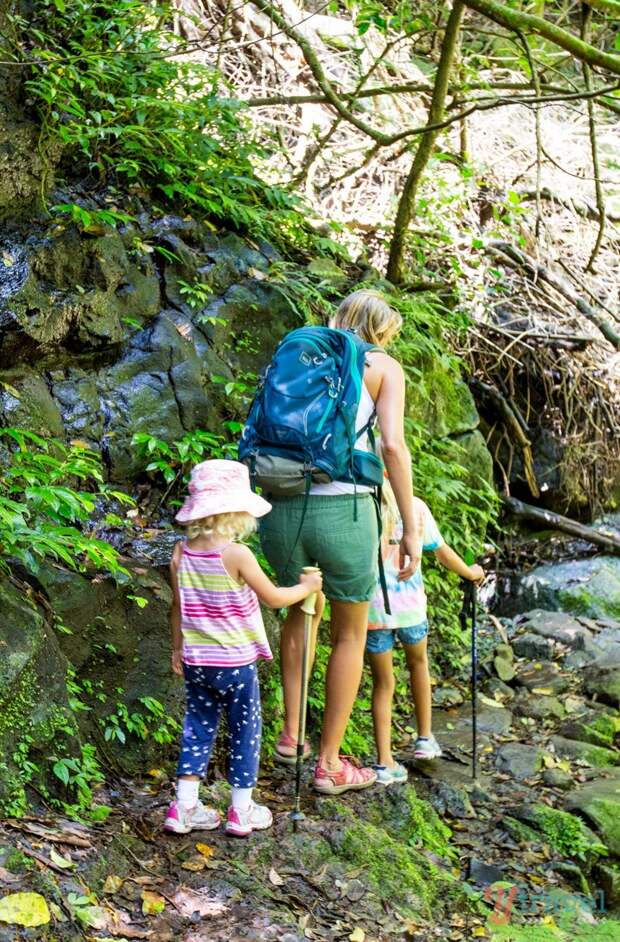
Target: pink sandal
{"points": [[286, 750], [349, 778]]}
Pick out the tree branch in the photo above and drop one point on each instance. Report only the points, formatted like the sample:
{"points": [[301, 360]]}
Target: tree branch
{"points": [[535, 270], [406, 206], [586, 23], [312, 60], [527, 22]]}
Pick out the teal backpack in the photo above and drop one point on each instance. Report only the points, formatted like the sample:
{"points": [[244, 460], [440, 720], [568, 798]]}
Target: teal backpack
{"points": [[301, 425]]}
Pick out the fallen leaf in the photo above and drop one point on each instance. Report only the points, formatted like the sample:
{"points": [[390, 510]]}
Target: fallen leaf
{"points": [[7, 259], [205, 851], [7, 877], [275, 878], [24, 909], [479, 933], [112, 884], [358, 935], [488, 701], [152, 903], [195, 864], [189, 902], [65, 863]]}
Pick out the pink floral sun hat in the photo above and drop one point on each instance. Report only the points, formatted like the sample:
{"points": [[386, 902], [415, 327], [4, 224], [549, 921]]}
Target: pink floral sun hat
{"points": [[220, 487]]}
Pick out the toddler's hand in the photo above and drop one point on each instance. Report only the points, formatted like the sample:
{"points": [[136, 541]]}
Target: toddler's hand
{"points": [[177, 663], [312, 581], [476, 573]]}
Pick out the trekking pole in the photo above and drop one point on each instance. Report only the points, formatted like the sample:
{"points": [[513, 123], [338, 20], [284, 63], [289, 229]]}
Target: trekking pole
{"points": [[468, 612], [308, 607]]}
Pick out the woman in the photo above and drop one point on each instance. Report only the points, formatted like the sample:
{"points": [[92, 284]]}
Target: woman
{"points": [[345, 549]]}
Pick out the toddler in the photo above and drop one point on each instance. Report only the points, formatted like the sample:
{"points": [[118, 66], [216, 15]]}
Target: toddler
{"points": [[217, 637], [408, 622]]}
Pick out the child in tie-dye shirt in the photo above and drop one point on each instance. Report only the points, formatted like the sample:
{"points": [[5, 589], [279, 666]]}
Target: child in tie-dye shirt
{"points": [[408, 622]]}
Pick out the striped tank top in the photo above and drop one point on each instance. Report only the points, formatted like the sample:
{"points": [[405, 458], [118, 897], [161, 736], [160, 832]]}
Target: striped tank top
{"points": [[221, 620]]}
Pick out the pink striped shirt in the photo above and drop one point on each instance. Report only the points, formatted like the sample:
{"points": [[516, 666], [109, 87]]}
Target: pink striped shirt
{"points": [[221, 620]]}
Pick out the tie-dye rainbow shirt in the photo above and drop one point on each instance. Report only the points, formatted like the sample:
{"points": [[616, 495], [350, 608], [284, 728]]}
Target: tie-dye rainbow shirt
{"points": [[408, 598], [221, 620]]}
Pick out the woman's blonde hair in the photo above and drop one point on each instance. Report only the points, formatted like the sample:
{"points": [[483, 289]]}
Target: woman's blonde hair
{"points": [[370, 316], [228, 527], [389, 511]]}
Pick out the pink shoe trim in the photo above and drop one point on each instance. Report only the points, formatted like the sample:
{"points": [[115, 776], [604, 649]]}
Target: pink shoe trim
{"points": [[234, 826], [173, 812]]}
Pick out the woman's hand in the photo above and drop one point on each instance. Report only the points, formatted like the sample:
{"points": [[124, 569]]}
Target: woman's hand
{"points": [[177, 662]]}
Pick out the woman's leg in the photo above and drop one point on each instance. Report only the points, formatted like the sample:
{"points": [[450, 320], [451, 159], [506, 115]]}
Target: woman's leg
{"points": [[344, 672], [291, 657], [382, 695], [417, 662]]}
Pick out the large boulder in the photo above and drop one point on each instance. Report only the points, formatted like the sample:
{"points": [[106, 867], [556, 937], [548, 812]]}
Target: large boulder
{"points": [[589, 587]]}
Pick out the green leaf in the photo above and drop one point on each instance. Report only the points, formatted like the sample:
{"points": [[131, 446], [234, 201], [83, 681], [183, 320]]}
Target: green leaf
{"points": [[24, 909]]}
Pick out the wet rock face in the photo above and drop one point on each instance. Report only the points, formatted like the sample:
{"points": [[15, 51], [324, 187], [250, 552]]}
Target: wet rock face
{"points": [[97, 341]]}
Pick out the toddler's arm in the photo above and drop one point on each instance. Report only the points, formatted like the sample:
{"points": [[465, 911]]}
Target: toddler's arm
{"points": [[452, 561], [175, 614], [242, 566]]}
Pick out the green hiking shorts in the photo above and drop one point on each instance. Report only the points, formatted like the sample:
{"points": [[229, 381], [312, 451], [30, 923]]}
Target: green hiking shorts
{"points": [[346, 550]]}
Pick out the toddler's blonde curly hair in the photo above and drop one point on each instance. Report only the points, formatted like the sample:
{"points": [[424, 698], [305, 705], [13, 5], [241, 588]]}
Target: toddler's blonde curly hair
{"points": [[228, 527]]}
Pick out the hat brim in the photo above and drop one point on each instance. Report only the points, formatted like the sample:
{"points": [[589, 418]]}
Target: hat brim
{"points": [[199, 506]]}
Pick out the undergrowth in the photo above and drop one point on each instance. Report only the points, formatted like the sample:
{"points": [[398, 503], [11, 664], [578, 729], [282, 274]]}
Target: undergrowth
{"points": [[113, 90]]}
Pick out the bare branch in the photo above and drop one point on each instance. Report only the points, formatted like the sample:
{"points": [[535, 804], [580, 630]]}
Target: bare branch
{"points": [[528, 23]]}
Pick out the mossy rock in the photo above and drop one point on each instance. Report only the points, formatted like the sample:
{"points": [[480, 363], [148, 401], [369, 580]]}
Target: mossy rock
{"points": [[588, 587], [597, 728], [441, 401], [34, 707], [564, 832], [599, 802], [597, 756], [26, 402]]}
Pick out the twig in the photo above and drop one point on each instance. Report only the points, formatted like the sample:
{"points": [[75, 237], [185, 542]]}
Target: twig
{"points": [[586, 22], [535, 270]]}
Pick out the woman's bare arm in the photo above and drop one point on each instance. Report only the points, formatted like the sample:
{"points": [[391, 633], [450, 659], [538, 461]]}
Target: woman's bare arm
{"points": [[390, 406]]}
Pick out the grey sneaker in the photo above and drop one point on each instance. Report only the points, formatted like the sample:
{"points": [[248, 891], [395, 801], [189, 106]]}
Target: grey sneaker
{"points": [[427, 748], [391, 776]]}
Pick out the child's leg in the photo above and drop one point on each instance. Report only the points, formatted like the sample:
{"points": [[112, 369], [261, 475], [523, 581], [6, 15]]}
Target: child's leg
{"points": [[199, 732], [241, 697], [379, 650], [417, 662]]}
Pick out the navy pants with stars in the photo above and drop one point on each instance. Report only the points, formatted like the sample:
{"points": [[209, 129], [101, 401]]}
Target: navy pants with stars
{"points": [[235, 691]]}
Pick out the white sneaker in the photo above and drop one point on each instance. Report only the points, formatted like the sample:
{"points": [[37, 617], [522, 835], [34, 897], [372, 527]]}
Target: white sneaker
{"points": [[181, 819], [241, 823], [427, 748], [393, 775]]}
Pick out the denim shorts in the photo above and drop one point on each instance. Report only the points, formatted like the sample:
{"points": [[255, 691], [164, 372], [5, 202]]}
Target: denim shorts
{"points": [[379, 640]]}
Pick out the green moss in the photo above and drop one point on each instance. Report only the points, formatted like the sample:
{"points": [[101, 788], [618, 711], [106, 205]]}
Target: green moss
{"points": [[519, 831], [397, 873], [406, 818], [603, 729], [17, 862], [564, 832]]}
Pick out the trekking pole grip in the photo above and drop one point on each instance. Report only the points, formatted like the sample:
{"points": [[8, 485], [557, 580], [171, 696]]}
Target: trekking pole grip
{"points": [[308, 606]]}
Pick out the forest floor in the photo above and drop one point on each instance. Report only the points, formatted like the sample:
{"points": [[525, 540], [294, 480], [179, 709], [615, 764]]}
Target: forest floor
{"points": [[381, 864]]}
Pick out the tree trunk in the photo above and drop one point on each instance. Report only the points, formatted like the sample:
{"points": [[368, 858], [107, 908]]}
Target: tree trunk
{"points": [[406, 206]]}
